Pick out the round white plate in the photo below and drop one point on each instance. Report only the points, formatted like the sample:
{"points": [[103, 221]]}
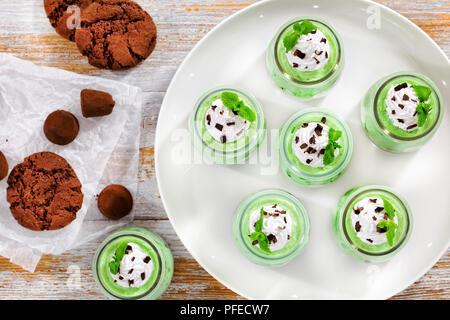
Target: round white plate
{"points": [[200, 198]]}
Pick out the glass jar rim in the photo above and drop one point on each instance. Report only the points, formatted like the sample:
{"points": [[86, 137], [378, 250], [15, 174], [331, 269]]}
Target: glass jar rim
{"points": [[420, 77], [105, 244], [346, 132], [370, 188], [325, 24], [301, 212]]}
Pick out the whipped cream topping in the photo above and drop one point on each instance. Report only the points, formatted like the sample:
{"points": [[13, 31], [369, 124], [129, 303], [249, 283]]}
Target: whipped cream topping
{"points": [[401, 103], [135, 268], [224, 125], [277, 225], [365, 216], [311, 52], [309, 143]]}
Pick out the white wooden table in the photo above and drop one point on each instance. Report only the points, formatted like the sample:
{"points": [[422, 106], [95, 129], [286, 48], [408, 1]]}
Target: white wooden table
{"points": [[25, 32]]}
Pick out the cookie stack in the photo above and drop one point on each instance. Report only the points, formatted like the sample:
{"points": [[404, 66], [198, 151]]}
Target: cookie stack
{"points": [[112, 34]]}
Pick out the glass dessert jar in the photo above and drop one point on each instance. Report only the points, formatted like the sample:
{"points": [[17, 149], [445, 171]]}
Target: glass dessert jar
{"points": [[402, 111], [270, 227], [372, 223], [133, 263], [315, 147], [306, 57], [227, 125]]}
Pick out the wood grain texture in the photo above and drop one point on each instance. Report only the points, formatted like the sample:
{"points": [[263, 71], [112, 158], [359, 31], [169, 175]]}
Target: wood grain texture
{"points": [[25, 32]]}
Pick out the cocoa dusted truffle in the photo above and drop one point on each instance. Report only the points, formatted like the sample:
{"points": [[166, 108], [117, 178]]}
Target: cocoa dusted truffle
{"points": [[3, 166], [96, 103], [61, 127], [115, 202]]}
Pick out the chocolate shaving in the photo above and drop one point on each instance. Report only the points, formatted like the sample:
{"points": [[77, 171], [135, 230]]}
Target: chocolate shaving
{"points": [[401, 120], [318, 130], [303, 146], [305, 125], [317, 61], [401, 106], [318, 53], [208, 118], [289, 236], [356, 211], [130, 282], [131, 271], [374, 218], [143, 275], [379, 209], [381, 230], [219, 126], [274, 206], [326, 54], [405, 97], [393, 111], [312, 140], [231, 123], [323, 40], [285, 221], [314, 31], [147, 259], [254, 242], [393, 98], [373, 200], [120, 278], [309, 161], [295, 65], [411, 126], [400, 86], [297, 139], [415, 113], [323, 120], [214, 108], [370, 240], [357, 226], [223, 139], [299, 54], [311, 150], [132, 259]]}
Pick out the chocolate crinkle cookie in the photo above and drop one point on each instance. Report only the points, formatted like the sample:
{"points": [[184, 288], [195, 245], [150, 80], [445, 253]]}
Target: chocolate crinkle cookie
{"points": [[44, 192], [115, 34], [64, 15]]}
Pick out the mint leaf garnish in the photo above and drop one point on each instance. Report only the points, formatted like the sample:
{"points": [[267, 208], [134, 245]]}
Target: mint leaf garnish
{"points": [[291, 40], [117, 258], [259, 236], [389, 208], [262, 239], [259, 223], [333, 136], [232, 102], [298, 29], [422, 112], [423, 92], [390, 226]]}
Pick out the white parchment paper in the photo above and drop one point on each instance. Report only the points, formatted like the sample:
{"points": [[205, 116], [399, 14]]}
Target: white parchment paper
{"points": [[106, 150]]}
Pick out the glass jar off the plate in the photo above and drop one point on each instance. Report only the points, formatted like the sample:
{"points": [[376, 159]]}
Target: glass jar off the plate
{"points": [[356, 219], [303, 144], [283, 220], [386, 119], [143, 271], [327, 59], [222, 135]]}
